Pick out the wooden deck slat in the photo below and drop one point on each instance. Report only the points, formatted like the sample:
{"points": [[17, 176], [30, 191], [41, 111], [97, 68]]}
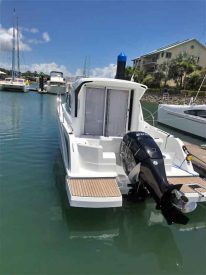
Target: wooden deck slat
{"points": [[186, 181], [94, 187]]}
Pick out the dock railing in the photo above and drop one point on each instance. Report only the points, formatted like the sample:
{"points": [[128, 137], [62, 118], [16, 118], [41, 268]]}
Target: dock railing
{"points": [[150, 115]]}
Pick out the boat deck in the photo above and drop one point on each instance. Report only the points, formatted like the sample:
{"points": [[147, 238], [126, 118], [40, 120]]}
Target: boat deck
{"points": [[199, 157], [94, 187], [104, 192], [93, 192], [189, 184]]}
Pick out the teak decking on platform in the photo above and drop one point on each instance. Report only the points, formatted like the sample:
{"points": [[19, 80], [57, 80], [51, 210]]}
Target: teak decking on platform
{"points": [[94, 187], [187, 181], [199, 158], [107, 187]]}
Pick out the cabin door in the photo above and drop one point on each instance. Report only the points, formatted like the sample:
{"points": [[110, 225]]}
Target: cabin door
{"points": [[94, 111], [117, 109]]}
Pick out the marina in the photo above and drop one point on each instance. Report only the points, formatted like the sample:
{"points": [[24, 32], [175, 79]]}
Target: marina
{"points": [[38, 225], [102, 138]]}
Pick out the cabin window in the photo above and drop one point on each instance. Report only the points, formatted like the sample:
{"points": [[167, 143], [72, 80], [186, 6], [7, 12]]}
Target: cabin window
{"points": [[106, 112], [162, 54], [199, 113], [67, 148], [94, 111], [190, 112], [116, 117]]}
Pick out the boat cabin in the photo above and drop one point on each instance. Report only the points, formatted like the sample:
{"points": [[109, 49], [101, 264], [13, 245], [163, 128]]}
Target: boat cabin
{"points": [[56, 74], [104, 108], [56, 78]]}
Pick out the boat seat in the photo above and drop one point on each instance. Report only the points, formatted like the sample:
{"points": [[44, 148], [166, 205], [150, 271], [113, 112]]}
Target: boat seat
{"points": [[159, 141], [94, 154], [111, 144]]}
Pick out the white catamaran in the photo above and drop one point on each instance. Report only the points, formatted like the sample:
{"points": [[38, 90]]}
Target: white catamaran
{"points": [[15, 83], [109, 151]]}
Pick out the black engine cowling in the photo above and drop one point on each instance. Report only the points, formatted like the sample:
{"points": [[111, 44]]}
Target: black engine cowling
{"points": [[144, 164]]}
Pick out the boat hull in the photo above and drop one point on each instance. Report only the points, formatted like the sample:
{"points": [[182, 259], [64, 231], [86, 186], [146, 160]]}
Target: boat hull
{"points": [[13, 88], [79, 196], [181, 121], [55, 89]]}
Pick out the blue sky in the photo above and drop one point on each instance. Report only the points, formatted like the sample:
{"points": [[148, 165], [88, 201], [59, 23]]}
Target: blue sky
{"points": [[63, 33]]}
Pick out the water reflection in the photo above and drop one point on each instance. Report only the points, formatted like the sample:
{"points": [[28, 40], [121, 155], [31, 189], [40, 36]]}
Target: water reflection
{"points": [[12, 114], [135, 229], [197, 220]]}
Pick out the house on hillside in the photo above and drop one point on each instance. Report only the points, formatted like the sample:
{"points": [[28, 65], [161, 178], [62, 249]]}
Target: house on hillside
{"points": [[150, 61]]}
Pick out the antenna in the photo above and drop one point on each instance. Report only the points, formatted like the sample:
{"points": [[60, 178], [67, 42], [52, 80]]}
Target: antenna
{"points": [[13, 48], [17, 28], [200, 87], [88, 66]]}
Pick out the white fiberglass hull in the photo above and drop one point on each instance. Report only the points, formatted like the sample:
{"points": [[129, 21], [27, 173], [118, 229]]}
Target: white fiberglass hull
{"points": [[55, 89], [12, 87], [75, 200], [176, 118], [91, 131]]}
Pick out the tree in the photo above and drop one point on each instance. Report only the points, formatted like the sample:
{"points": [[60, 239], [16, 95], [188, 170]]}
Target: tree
{"points": [[194, 79], [180, 67], [129, 71], [149, 80], [163, 71]]}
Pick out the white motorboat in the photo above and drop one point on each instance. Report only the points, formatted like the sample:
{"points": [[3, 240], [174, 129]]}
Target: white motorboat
{"points": [[16, 85], [110, 151], [56, 84], [187, 118]]}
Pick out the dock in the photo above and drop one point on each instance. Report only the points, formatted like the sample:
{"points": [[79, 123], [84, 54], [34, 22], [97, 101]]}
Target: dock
{"points": [[199, 158]]}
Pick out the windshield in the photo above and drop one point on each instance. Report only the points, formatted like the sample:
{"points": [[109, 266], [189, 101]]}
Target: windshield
{"points": [[60, 74]]}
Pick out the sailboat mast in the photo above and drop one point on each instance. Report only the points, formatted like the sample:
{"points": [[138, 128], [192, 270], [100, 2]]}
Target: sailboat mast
{"points": [[13, 48], [85, 67], [17, 29]]}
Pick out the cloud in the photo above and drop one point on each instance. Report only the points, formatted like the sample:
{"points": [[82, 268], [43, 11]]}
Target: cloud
{"points": [[108, 71], [46, 37], [31, 30], [45, 68], [6, 40]]}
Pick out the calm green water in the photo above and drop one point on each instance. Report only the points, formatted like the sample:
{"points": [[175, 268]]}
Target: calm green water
{"points": [[41, 234]]}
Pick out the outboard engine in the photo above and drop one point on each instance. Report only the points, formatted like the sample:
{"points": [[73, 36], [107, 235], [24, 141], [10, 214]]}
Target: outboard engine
{"points": [[143, 163]]}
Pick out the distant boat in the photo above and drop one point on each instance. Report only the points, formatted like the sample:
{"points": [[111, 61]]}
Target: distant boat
{"points": [[15, 83], [56, 84], [187, 118], [190, 118]]}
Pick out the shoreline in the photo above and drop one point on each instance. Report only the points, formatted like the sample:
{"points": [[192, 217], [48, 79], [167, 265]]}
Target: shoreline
{"points": [[172, 99]]}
